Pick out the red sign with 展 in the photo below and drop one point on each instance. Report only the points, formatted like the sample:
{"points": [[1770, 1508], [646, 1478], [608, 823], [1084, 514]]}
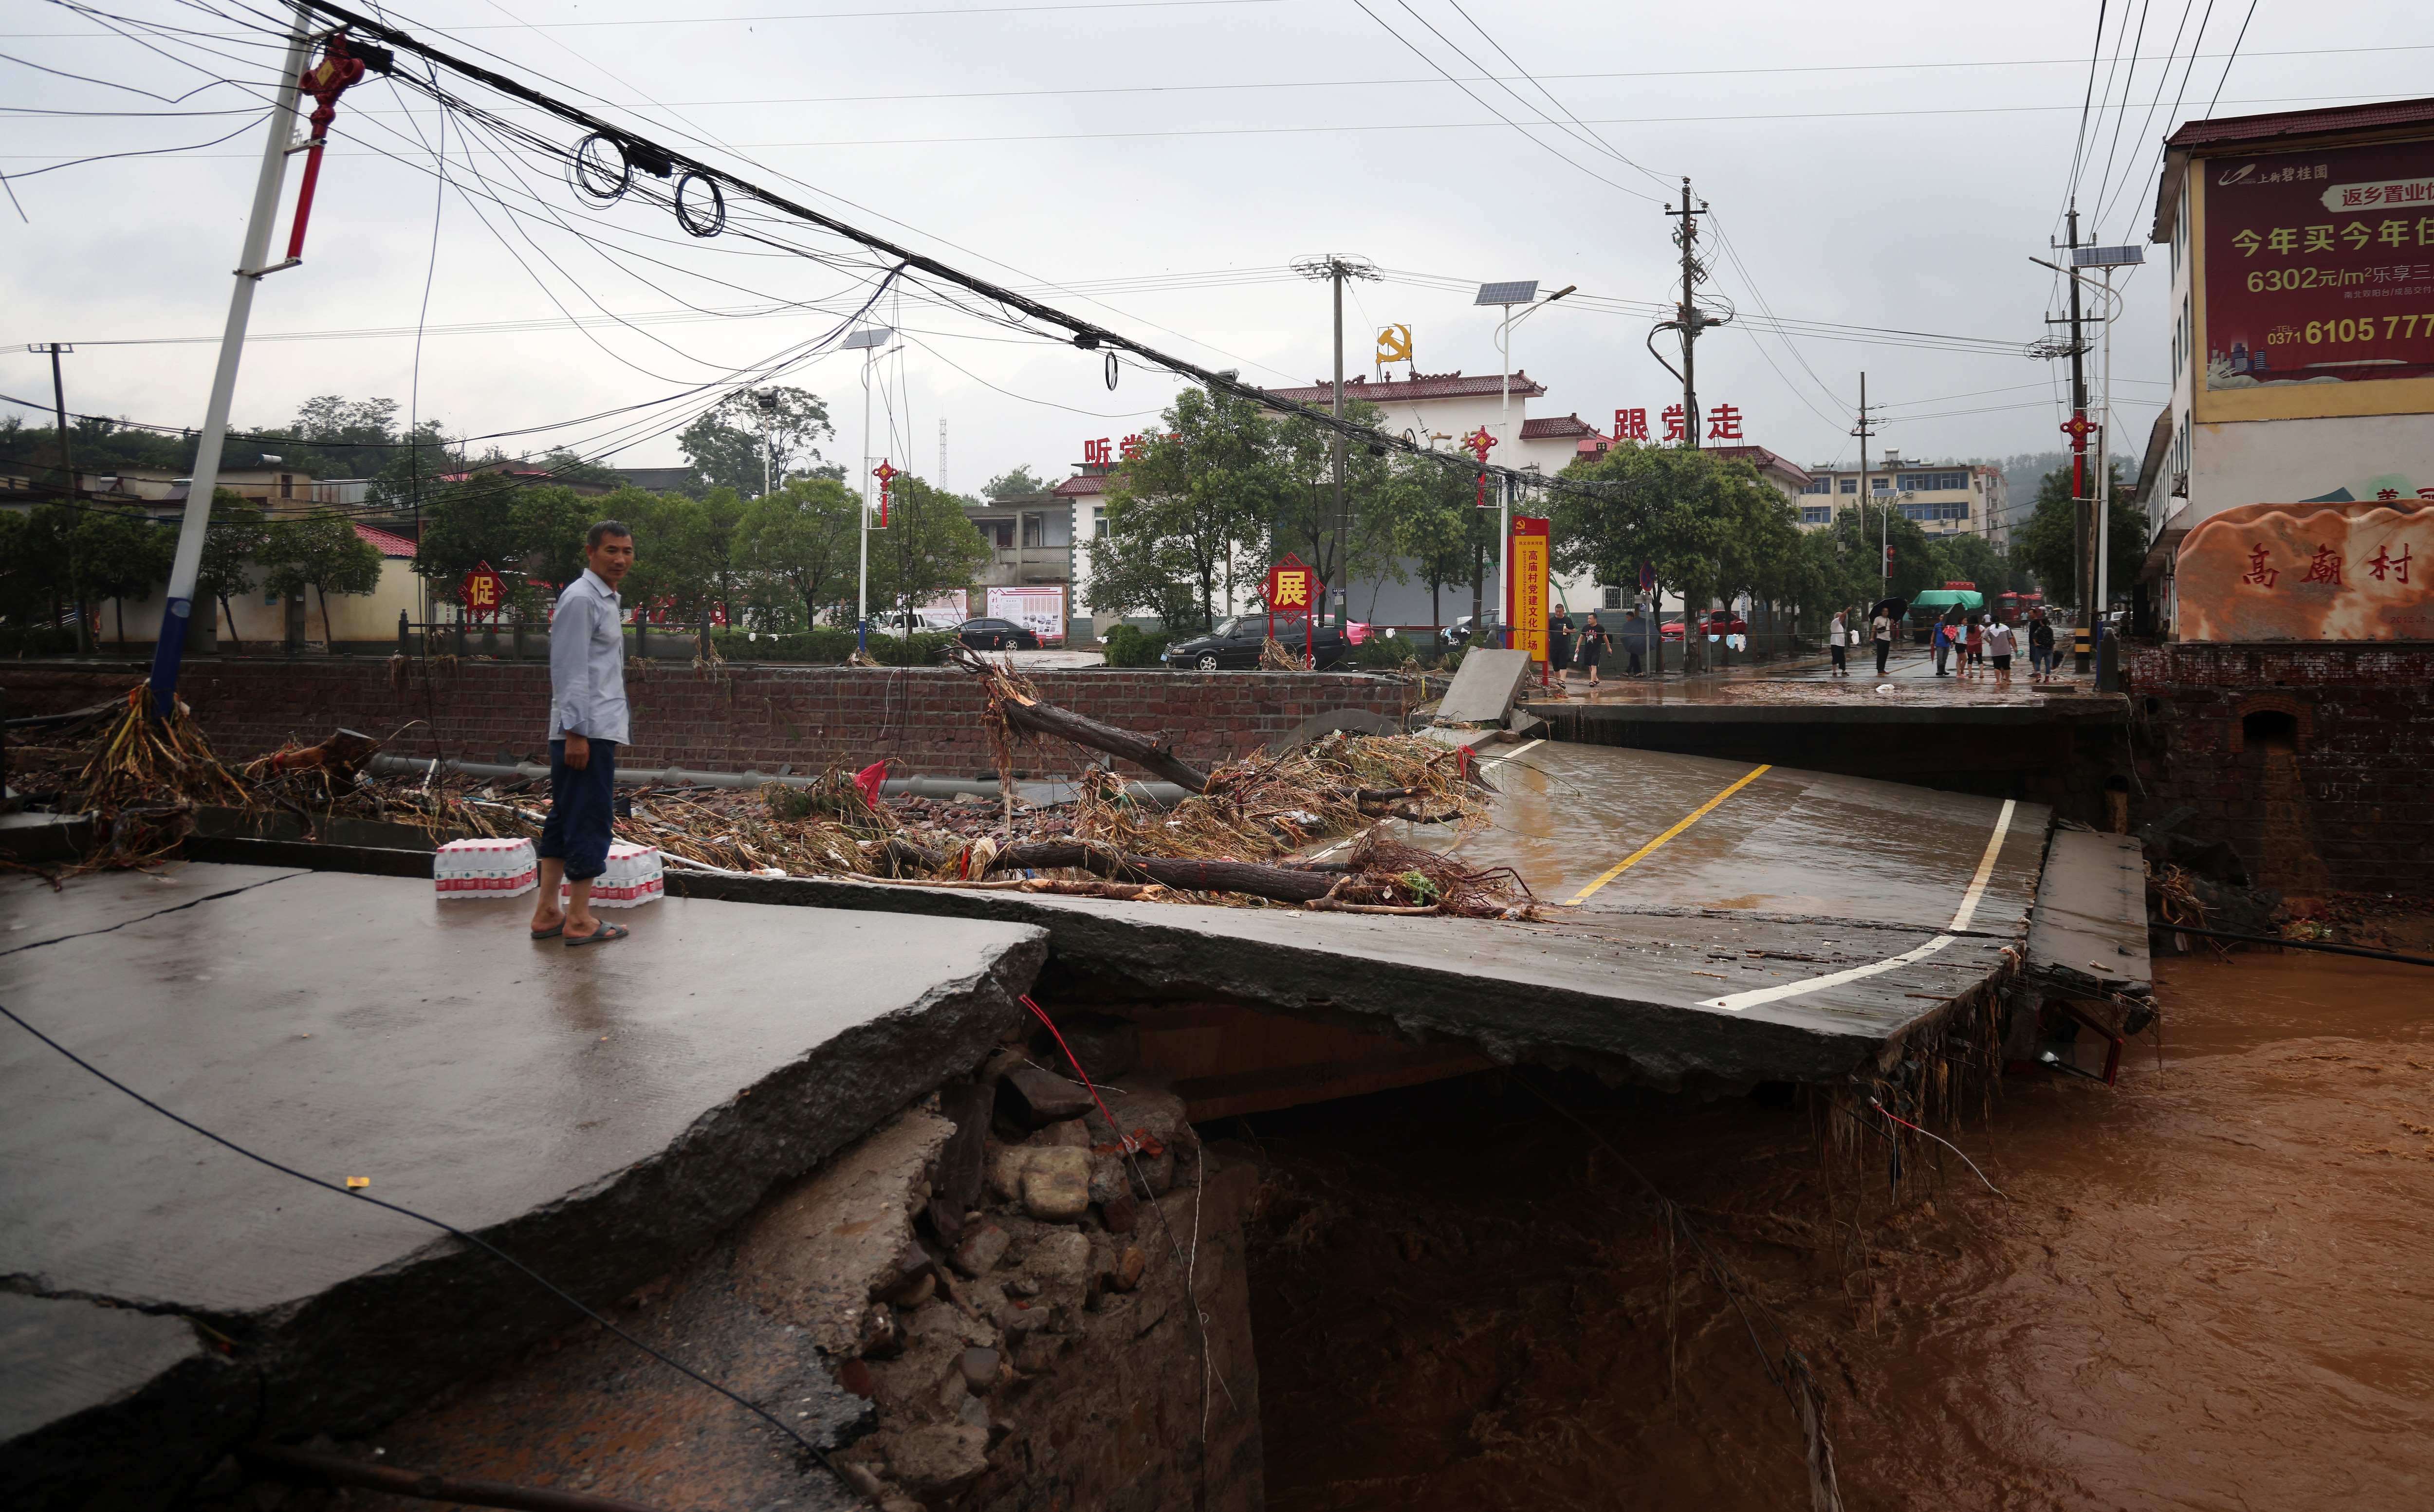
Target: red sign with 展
{"points": [[1291, 585], [483, 591], [2320, 265]]}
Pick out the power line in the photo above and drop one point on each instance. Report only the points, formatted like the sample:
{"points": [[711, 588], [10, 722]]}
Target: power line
{"points": [[2232, 58]]}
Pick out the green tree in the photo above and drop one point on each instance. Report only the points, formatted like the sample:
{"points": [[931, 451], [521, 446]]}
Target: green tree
{"points": [[417, 469], [1969, 559], [321, 552], [235, 538], [118, 553], [930, 546], [1432, 518], [36, 572], [1706, 529], [1301, 509], [2045, 545], [1176, 513], [726, 443], [805, 538], [1021, 479], [467, 525], [334, 436]]}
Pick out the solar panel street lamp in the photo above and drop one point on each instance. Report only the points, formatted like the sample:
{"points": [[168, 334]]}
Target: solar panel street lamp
{"points": [[1523, 292], [868, 340]]}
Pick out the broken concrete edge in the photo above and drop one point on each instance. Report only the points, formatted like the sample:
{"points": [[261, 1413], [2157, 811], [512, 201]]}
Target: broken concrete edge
{"points": [[1166, 946], [360, 1353]]}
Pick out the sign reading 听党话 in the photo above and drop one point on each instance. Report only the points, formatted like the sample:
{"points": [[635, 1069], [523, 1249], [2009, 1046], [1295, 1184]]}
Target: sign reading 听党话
{"points": [[2320, 265], [1040, 609], [2308, 572], [484, 593], [1525, 593]]}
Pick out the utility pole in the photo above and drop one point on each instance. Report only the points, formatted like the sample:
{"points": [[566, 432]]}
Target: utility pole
{"points": [[1335, 270], [169, 651], [942, 454], [1863, 430], [2082, 559], [1689, 321], [67, 471], [868, 341]]}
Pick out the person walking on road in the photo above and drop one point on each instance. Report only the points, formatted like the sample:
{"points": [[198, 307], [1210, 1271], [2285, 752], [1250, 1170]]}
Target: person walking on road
{"points": [[1592, 648], [1999, 650], [1939, 640], [1881, 627], [587, 724], [2041, 646], [1974, 659], [1838, 643]]}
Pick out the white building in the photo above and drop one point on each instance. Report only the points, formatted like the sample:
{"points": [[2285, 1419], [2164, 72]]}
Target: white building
{"points": [[1945, 498], [2302, 248]]}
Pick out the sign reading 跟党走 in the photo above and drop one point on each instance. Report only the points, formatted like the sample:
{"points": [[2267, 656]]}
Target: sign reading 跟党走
{"points": [[2320, 265]]}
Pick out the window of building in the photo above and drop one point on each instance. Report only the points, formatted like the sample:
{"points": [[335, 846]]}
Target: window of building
{"points": [[1933, 482], [1099, 523], [999, 532], [1918, 511], [1850, 484], [1880, 485], [1819, 486], [1613, 596], [1816, 514], [1952, 510]]}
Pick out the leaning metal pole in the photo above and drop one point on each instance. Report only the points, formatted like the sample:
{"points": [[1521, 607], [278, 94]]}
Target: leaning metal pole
{"points": [[179, 612]]}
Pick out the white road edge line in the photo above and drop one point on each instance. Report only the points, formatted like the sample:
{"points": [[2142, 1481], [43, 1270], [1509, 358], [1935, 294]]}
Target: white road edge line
{"points": [[1736, 1002]]}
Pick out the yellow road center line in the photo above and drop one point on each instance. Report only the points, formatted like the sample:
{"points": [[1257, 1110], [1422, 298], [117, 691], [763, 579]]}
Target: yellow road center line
{"points": [[1685, 822]]}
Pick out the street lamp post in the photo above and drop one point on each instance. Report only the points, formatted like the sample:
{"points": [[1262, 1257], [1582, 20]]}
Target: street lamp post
{"points": [[868, 341], [1524, 292]]}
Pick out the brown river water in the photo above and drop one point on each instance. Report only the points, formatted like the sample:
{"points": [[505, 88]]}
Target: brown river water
{"points": [[2209, 1287]]}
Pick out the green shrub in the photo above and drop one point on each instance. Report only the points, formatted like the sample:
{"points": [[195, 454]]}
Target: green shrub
{"points": [[1386, 651], [1128, 646], [35, 640], [827, 646]]}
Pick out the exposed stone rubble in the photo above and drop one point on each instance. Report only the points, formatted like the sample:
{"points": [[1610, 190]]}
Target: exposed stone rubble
{"points": [[1042, 1355]]}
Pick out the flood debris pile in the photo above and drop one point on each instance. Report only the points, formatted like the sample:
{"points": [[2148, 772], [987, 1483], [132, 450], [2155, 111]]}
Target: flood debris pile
{"points": [[143, 779]]}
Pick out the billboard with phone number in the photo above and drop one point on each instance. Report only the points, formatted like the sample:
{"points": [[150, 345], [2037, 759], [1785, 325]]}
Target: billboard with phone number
{"points": [[2320, 265]]}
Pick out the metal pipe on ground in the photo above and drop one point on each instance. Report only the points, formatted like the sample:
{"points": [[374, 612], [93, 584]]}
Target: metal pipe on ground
{"points": [[306, 1467], [1162, 795]]}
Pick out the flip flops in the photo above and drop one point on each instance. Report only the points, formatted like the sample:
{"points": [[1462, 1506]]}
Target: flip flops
{"points": [[552, 932], [599, 937]]}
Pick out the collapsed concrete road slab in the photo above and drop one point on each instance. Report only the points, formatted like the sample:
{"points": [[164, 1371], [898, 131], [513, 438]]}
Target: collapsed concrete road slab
{"points": [[599, 1113]]}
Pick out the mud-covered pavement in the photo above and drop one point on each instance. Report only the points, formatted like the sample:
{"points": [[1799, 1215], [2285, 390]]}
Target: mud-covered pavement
{"points": [[2209, 1288]]}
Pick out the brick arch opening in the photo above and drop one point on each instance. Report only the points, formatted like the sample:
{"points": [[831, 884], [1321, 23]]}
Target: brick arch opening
{"points": [[2265, 719]]}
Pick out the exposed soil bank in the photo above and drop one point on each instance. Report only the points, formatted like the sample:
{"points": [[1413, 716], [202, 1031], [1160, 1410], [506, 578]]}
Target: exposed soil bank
{"points": [[2210, 1288]]}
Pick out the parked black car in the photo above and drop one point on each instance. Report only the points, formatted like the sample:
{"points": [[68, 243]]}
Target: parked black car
{"points": [[1235, 643], [996, 635]]}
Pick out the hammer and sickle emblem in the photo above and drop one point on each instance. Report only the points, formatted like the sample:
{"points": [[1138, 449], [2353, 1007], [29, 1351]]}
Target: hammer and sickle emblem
{"points": [[1395, 344]]}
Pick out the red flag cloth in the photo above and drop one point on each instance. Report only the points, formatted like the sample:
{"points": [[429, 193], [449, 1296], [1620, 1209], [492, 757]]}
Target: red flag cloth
{"points": [[869, 778]]}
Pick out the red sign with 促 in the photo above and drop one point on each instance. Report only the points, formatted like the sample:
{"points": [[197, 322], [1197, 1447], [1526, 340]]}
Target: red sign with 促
{"points": [[483, 591], [2319, 265]]}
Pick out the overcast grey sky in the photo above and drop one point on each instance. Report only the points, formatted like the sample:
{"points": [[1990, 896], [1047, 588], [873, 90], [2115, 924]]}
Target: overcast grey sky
{"points": [[1881, 166]]}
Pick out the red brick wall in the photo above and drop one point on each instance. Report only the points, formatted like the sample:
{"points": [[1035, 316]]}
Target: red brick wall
{"points": [[2365, 748], [746, 716]]}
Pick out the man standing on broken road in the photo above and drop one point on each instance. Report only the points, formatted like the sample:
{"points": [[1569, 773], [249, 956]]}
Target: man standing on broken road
{"points": [[587, 724]]}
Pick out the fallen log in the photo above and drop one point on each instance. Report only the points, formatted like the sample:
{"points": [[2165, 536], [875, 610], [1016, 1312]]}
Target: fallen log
{"points": [[1152, 753], [1277, 883]]}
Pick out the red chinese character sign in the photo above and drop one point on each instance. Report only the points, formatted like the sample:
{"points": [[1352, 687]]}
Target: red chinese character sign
{"points": [[1293, 589], [1724, 423], [484, 593], [1631, 424], [887, 474], [1525, 590], [1095, 453], [2306, 571], [2319, 265]]}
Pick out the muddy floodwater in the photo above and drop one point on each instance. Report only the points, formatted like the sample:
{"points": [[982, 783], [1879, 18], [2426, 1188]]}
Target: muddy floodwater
{"points": [[2211, 1286]]}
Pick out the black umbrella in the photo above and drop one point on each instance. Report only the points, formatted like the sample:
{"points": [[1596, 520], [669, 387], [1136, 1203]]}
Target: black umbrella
{"points": [[1895, 609]]}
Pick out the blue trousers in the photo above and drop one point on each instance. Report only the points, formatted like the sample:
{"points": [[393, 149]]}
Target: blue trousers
{"points": [[582, 806]]}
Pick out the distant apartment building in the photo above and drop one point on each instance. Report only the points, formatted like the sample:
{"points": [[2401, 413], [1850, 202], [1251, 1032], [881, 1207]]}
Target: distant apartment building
{"points": [[1945, 498]]}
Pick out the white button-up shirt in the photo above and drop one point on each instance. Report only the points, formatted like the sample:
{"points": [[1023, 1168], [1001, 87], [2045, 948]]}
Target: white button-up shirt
{"points": [[587, 663]]}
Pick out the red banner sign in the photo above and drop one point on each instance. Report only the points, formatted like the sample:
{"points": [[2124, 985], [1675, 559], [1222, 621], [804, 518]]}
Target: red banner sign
{"points": [[483, 591], [2320, 265], [1525, 590]]}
